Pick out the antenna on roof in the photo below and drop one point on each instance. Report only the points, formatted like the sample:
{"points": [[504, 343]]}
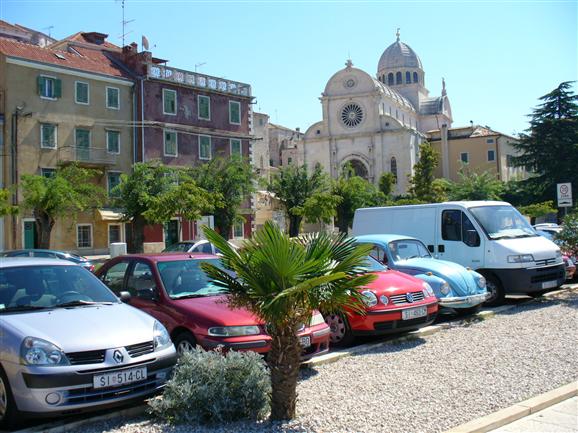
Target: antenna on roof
{"points": [[124, 23], [198, 65], [49, 28]]}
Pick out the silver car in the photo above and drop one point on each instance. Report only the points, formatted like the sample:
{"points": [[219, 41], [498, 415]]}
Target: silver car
{"points": [[68, 344]]}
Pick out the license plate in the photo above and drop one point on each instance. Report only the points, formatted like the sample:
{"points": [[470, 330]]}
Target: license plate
{"points": [[119, 378], [305, 341], [549, 284], [413, 313]]}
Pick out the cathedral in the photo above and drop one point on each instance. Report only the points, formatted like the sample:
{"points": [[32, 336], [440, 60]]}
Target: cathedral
{"points": [[377, 123]]}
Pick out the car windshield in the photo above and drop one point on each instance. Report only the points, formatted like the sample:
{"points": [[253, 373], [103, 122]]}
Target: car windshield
{"points": [[182, 247], [406, 249], [502, 222], [47, 286], [186, 279], [372, 265]]}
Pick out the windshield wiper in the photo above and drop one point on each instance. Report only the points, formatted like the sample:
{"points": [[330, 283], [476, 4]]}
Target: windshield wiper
{"points": [[189, 296], [80, 303], [22, 308]]}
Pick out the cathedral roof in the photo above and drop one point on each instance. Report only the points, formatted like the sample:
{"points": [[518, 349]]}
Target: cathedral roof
{"points": [[392, 94], [431, 105], [399, 55]]}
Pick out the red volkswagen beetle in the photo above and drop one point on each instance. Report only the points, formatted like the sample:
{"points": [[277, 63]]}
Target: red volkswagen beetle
{"points": [[394, 302], [174, 289]]}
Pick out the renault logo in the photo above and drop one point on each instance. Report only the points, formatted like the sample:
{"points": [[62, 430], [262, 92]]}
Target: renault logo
{"points": [[409, 297], [118, 356]]}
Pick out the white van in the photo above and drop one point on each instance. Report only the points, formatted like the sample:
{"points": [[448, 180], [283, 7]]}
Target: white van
{"points": [[491, 237]]}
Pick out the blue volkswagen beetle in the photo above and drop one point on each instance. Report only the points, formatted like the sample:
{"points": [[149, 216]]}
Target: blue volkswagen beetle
{"points": [[455, 286]]}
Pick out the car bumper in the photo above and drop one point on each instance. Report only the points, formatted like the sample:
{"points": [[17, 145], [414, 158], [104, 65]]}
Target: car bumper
{"points": [[387, 321], [70, 389], [463, 301], [530, 280]]}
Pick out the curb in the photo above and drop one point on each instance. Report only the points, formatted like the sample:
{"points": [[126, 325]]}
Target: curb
{"points": [[517, 411]]}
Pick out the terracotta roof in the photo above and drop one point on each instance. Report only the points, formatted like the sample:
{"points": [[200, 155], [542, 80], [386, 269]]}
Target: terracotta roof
{"points": [[84, 59], [87, 38]]}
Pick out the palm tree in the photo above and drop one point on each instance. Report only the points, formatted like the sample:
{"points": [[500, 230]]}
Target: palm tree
{"points": [[283, 280]]}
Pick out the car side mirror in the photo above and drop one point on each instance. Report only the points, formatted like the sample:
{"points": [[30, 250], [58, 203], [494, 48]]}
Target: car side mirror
{"points": [[124, 297], [472, 238], [148, 294]]}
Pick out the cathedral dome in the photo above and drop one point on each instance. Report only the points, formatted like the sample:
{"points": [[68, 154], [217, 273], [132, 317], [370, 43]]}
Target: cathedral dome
{"points": [[399, 55]]}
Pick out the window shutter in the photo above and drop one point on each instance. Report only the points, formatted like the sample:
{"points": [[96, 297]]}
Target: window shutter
{"points": [[57, 88], [41, 85]]}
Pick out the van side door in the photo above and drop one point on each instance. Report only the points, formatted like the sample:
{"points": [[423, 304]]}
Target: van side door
{"points": [[460, 240]]}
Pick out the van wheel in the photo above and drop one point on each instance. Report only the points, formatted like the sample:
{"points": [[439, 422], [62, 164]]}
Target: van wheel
{"points": [[495, 290], [8, 411], [341, 334], [185, 342]]}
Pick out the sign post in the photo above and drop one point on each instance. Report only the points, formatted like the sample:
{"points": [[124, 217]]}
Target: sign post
{"points": [[564, 193]]}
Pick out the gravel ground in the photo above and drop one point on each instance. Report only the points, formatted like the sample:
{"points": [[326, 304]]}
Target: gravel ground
{"points": [[427, 385]]}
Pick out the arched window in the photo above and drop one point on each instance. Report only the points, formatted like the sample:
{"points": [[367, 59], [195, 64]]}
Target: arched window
{"points": [[390, 79], [408, 77], [398, 78], [393, 168], [415, 77]]}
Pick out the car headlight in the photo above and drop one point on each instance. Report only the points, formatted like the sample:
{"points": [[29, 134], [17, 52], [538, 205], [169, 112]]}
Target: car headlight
{"points": [[369, 298], [558, 254], [317, 319], [233, 331], [428, 291], [445, 288], [384, 299], [481, 282], [36, 351], [161, 337], [521, 258]]}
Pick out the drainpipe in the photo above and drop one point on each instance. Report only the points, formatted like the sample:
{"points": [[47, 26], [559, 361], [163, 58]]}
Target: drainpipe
{"points": [[142, 143], [13, 169], [498, 162], [445, 152]]}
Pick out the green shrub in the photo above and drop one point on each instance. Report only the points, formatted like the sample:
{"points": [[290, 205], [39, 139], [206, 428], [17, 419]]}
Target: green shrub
{"points": [[215, 387]]}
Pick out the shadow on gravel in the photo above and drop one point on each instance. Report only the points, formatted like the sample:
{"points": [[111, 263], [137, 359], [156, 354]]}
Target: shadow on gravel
{"points": [[569, 300], [394, 346], [307, 373]]}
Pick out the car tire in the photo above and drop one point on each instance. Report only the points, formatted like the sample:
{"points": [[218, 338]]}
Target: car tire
{"points": [[8, 411], [341, 334], [184, 342], [495, 290]]}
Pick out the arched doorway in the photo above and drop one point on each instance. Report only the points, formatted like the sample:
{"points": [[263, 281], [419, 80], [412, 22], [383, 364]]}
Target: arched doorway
{"points": [[358, 168]]}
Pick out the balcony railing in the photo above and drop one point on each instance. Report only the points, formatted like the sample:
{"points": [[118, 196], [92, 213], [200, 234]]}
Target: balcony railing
{"points": [[194, 79], [86, 155]]}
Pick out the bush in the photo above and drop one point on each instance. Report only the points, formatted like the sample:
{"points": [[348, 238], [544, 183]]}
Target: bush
{"points": [[215, 387], [568, 237]]}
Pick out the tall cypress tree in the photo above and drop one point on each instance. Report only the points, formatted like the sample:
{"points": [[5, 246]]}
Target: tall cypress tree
{"points": [[549, 147]]}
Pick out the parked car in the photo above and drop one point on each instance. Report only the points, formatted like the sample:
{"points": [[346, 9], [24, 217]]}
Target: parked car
{"points": [[455, 286], [569, 259], [551, 228], [52, 254], [70, 345], [202, 246], [394, 302], [174, 289]]}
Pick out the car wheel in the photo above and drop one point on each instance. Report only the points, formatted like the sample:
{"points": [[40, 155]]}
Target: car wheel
{"points": [[341, 334], [185, 343], [8, 411], [495, 290]]}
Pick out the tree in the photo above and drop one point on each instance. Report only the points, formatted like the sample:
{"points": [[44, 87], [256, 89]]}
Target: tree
{"points": [[474, 186], [537, 210], [568, 237], [422, 181], [5, 207], [154, 193], [355, 192], [283, 280], [70, 191], [386, 182], [232, 179], [293, 186], [549, 147]]}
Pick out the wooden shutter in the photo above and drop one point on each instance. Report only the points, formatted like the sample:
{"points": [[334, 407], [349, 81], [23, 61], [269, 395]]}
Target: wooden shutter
{"points": [[57, 88], [41, 85]]}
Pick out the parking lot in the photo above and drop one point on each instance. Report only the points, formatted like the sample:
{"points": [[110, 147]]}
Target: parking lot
{"points": [[429, 384]]}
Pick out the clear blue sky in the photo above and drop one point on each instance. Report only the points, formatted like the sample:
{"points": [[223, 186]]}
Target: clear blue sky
{"points": [[497, 57]]}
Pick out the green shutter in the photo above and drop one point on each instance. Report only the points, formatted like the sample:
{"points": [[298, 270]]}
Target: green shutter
{"points": [[204, 107], [41, 85], [57, 88], [234, 112]]}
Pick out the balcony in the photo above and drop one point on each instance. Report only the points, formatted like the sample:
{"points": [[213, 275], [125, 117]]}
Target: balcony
{"points": [[87, 156], [200, 81]]}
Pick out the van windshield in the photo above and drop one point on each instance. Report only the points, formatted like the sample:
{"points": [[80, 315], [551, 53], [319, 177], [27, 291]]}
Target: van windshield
{"points": [[502, 222]]}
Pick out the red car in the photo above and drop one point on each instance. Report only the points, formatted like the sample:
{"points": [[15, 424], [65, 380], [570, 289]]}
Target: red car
{"points": [[394, 302], [174, 289]]}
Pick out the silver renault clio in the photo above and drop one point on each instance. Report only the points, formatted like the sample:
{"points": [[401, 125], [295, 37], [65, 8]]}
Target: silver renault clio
{"points": [[68, 344]]}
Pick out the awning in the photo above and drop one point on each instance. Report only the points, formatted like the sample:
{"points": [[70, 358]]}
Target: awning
{"points": [[109, 215]]}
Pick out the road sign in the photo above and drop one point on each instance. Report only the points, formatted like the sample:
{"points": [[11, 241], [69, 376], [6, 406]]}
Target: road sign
{"points": [[564, 191]]}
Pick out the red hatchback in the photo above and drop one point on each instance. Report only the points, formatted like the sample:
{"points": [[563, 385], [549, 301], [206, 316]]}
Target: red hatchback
{"points": [[174, 289], [394, 302]]}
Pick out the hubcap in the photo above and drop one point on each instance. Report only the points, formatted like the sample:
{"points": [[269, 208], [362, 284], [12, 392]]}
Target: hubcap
{"points": [[492, 290], [3, 399], [185, 347], [337, 326]]}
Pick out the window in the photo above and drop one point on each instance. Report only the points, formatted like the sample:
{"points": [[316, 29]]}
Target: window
{"points": [[456, 226], [48, 172], [48, 135], [204, 103], [236, 148], [238, 230], [141, 280], [113, 98], [408, 77], [509, 161], [114, 233], [490, 140], [390, 79], [415, 77], [49, 87], [289, 161], [465, 157], [84, 235], [205, 147], [398, 78], [113, 141], [113, 179], [82, 144], [235, 112], [170, 143], [393, 169], [491, 155], [169, 102], [81, 95], [114, 277]]}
